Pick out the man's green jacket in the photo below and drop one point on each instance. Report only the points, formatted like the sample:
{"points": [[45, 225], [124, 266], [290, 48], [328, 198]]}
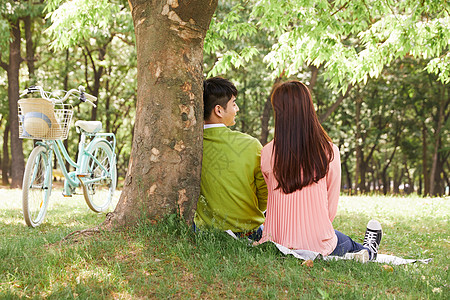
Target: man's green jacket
{"points": [[233, 190]]}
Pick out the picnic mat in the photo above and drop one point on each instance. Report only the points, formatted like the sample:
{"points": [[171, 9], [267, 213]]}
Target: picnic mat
{"points": [[381, 258], [311, 255]]}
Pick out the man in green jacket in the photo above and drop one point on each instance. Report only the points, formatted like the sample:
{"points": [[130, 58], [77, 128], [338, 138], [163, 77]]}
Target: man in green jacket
{"points": [[233, 191]]}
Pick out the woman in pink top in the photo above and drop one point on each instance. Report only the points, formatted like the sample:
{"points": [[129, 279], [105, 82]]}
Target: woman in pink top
{"points": [[303, 174]]}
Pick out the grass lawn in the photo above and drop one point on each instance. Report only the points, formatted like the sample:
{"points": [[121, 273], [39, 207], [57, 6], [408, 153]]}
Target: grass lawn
{"points": [[166, 260]]}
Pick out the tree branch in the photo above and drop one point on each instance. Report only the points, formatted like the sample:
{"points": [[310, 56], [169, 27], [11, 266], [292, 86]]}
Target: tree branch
{"points": [[334, 106], [86, 77], [123, 39], [342, 7], [3, 65], [372, 150], [91, 59]]}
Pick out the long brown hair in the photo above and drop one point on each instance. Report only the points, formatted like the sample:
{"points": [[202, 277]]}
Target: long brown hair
{"points": [[302, 150]]}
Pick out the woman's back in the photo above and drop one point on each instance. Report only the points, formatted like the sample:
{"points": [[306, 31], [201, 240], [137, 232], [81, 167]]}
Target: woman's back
{"points": [[302, 169], [302, 219]]}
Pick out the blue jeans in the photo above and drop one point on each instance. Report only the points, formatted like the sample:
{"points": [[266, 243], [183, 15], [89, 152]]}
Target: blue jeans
{"points": [[346, 245], [254, 235]]}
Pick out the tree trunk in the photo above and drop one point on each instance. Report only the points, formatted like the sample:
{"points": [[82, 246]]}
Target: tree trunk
{"points": [[5, 159], [409, 187], [108, 102], [29, 49], [164, 169], [386, 166], [312, 84], [313, 81], [398, 176], [426, 179], [433, 173], [17, 160], [98, 73], [419, 190], [385, 181], [265, 119], [243, 109], [358, 149], [347, 176], [439, 182], [267, 113]]}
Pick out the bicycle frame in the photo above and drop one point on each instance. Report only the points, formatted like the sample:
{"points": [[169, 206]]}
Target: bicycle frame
{"points": [[72, 180]]}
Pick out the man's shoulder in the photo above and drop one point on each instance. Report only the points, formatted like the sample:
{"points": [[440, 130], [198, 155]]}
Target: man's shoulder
{"points": [[245, 137], [230, 141], [242, 134]]}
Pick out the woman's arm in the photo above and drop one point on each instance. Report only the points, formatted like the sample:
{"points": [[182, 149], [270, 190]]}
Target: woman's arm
{"points": [[334, 183]]}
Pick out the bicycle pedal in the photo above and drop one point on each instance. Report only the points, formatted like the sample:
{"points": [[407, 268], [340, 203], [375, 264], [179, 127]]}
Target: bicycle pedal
{"points": [[83, 175], [64, 195]]}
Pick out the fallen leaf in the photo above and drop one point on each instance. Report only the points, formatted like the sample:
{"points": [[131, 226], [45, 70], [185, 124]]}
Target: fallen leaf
{"points": [[437, 290], [388, 268], [308, 263]]}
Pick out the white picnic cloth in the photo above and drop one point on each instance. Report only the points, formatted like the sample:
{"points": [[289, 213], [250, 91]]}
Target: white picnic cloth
{"points": [[311, 255], [381, 258]]}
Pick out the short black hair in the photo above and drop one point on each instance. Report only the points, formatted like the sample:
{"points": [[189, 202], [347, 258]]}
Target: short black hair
{"points": [[217, 91]]}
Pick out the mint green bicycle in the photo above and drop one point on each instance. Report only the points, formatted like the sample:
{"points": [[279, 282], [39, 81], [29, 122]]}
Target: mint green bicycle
{"points": [[48, 120]]}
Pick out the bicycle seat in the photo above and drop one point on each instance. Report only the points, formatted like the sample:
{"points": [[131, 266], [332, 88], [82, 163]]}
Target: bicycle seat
{"points": [[89, 126]]}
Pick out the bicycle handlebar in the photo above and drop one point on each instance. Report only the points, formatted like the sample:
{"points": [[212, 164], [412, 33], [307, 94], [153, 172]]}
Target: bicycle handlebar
{"points": [[83, 96]]}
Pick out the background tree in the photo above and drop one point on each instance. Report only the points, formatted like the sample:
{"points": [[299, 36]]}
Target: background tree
{"points": [[16, 17]]}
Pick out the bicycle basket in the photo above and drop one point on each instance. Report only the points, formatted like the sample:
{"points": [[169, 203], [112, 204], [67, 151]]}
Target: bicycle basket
{"points": [[41, 119]]}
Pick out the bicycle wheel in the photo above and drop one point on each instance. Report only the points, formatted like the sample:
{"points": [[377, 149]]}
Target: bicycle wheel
{"points": [[99, 176], [36, 186]]}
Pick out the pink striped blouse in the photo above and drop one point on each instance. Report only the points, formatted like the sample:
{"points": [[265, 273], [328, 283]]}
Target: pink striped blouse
{"points": [[302, 219]]}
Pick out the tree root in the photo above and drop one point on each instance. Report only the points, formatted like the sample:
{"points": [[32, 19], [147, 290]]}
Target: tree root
{"points": [[82, 233], [105, 226]]}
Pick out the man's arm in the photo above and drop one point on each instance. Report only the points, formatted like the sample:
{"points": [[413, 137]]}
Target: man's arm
{"points": [[261, 187]]}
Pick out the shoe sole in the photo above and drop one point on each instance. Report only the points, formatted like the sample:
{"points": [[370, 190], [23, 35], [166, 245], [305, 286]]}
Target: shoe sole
{"points": [[360, 256]]}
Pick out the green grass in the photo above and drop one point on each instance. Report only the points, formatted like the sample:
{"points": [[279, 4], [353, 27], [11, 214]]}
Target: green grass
{"points": [[166, 260]]}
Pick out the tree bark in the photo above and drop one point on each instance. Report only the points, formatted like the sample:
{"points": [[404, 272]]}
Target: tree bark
{"points": [[313, 81], [267, 112], [5, 158], [28, 25], [243, 109], [433, 173], [108, 102], [358, 149], [398, 175], [164, 169], [426, 177], [98, 73], [312, 84], [388, 163], [65, 75], [344, 162], [17, 159], [410, 188]]}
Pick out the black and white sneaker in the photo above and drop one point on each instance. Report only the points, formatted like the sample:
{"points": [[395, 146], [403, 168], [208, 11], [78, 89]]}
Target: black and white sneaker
{"points": [[372, 237]]}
